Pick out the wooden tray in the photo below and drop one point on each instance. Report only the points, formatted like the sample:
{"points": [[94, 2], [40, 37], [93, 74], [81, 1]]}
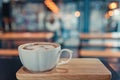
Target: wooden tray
{"points": [[76, 69]]}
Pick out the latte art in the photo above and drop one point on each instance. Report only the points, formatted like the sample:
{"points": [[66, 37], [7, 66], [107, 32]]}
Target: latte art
{"points": [[39, 46], [41, 56]]}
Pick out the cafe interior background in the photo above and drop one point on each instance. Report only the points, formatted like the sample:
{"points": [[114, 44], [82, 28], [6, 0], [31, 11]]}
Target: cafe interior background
{"points": [[91, 28]]}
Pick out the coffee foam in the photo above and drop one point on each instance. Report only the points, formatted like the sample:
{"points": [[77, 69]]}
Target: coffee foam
{"points": [[39, 46]]}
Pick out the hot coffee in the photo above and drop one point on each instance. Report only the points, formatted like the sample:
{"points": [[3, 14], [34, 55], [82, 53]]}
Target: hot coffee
{"points": [[33, 46], [43, 56]]}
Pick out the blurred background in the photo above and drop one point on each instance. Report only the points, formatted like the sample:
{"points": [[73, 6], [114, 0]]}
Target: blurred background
{"points": [[91, 28]]}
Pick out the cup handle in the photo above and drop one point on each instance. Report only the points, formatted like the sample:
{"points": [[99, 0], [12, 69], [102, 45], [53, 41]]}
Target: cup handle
{"points": [[70, 56]]}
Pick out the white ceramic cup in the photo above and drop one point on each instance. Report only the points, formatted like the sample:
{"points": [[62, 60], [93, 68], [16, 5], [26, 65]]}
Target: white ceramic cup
{"points": [[40, 60]]}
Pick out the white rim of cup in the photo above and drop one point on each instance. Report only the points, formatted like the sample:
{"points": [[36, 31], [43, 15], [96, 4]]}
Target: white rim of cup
{"points": [[25, 44]]}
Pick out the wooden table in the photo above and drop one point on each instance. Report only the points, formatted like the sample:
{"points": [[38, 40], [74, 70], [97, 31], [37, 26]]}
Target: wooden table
{"points": [[17, 38], [99, 53], [96, 36], [76, 69], [26, 35], [107, 41], [8, 52], [103, 44], [105, 37]]}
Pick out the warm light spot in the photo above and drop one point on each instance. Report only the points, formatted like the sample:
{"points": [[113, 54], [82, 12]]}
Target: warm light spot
{"points": [[77, 14], [113, 5], [110, 13], [52, 6]]}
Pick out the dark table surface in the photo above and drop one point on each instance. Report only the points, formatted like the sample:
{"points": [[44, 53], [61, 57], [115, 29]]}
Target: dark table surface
{"points": [[9, 67]]}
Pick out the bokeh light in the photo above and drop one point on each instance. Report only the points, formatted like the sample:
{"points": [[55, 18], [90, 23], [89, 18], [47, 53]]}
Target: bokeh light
{"points": [[77, 13], [113, 5], [110, 13]]}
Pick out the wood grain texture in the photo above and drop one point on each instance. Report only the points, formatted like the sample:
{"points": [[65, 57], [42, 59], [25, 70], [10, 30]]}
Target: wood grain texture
{"points": [[76, 69]]}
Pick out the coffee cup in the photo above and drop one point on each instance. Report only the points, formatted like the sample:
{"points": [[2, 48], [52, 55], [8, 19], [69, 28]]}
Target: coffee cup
{"points": [[42, 56]]}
